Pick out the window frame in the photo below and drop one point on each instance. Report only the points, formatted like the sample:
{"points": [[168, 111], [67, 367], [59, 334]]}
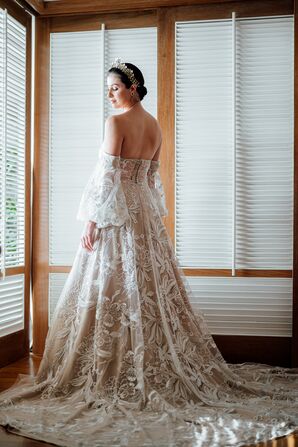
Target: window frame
{"points": [[274, 350], [16, 345]]}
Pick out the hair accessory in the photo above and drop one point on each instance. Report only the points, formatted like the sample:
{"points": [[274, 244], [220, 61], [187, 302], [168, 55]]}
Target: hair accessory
{"points": [[129, 73]]}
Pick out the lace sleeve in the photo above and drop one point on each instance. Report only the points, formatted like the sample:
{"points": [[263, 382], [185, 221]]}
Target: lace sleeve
{"points": [[103, 200], [156, 186]]}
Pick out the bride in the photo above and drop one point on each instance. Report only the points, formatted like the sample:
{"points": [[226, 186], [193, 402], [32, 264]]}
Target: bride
{"points": [[127, 360]]}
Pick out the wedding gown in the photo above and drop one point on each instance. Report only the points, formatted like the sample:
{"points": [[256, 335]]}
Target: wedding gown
{"points": [[127, 360]]}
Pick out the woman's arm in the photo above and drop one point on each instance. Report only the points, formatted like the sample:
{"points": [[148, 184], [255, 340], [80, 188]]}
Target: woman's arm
{"points": [[112, 144]]}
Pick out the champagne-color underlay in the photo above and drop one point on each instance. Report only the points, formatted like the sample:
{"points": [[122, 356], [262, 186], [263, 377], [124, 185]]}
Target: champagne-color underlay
{"points": [[128, 361]]}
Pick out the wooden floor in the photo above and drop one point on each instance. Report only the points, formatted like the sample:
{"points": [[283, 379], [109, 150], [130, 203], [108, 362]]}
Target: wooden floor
{"points": [[29, 365]]}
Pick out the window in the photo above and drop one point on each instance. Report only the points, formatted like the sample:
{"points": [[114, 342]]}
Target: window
{"points": [[12, 171], [234, 169], [79, 106]]}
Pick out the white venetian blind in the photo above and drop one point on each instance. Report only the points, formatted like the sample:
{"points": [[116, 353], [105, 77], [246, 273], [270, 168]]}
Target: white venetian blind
{"points": [[244, 306], [264, 178], [203, 144], [12, 135], [77, 117], [2, 135], [11, 304], [264, 143], [75, 129], [56, 283], [12, 170], [139, 47], [261, 205]]}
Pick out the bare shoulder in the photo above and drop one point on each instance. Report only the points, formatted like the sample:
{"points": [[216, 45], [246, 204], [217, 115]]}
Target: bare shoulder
{"points": [[113, 137], [157, 128], [155, 123], [113, 125], [151, 117], [112, 120], [159, 141]]}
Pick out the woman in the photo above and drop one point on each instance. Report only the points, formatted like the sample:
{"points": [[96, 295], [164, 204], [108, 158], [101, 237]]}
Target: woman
{"points": [[134, 134], [127, 360]]}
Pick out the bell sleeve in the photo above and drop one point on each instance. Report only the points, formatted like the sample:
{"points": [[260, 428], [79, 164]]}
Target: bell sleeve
{"points": [[156, 187], [103, 200]]}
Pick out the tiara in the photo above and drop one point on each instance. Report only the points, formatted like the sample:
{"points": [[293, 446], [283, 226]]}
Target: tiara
{"points": [[129, 73]]}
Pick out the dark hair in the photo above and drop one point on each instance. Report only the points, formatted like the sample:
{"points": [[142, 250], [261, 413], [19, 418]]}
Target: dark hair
{"points": [[141, 89]]}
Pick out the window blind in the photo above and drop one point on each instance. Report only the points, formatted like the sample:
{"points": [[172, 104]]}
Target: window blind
{"points": [[56, 283], [11, 304], [244, 306], [203, 144], [264, 143], [12, 134], [75, 128], [263, 174], [264, 132], [2, 135]]}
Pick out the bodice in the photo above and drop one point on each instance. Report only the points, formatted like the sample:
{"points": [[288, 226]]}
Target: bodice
{"points": [[132, 169], [113, 191]]}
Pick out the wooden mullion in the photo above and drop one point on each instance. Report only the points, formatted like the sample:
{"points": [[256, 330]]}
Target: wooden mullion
{"points": [[28, 175], [111, 21], [93, 6], [16, 11], [59, 269], [40, 224], [75, 7], [166, 109], [239, 272], [10, 271], [36, 6]]}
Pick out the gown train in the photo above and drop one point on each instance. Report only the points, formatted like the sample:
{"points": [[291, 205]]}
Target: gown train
{"points": [[127, 360]]}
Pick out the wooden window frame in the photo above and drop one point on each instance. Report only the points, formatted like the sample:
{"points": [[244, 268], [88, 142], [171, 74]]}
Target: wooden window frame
{"points": [[16, 345], [281, 351]]}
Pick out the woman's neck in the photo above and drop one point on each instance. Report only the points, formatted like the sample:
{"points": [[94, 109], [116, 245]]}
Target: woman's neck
{"points": [[134, 106]]}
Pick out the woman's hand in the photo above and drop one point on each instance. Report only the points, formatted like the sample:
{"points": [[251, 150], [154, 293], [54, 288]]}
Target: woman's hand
{"points": [[88, 237]]}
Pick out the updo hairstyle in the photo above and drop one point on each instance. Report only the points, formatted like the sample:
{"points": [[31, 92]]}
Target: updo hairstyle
{"points": [[141, 89]]}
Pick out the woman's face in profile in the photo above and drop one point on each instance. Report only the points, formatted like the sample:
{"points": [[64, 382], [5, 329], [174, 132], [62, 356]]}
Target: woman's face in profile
{"points": [[118, 94]]}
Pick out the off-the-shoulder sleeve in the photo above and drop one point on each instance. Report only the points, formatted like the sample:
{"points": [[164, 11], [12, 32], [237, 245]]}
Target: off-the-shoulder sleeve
{"points": [[156, 186], [103, 200]]}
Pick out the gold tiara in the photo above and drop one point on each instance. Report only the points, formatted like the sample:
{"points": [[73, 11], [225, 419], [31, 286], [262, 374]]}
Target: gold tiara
{"points": [[129, 73]]}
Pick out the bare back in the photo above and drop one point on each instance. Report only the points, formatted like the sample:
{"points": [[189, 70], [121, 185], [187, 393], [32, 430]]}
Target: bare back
{"points": [[141, 134]]}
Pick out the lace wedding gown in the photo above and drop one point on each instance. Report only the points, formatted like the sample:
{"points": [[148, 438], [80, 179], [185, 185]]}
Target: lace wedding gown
{"points": [[127, 360]]}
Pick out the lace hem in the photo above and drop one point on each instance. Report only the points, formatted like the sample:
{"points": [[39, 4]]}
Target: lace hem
{"points": [[73, 423]]}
